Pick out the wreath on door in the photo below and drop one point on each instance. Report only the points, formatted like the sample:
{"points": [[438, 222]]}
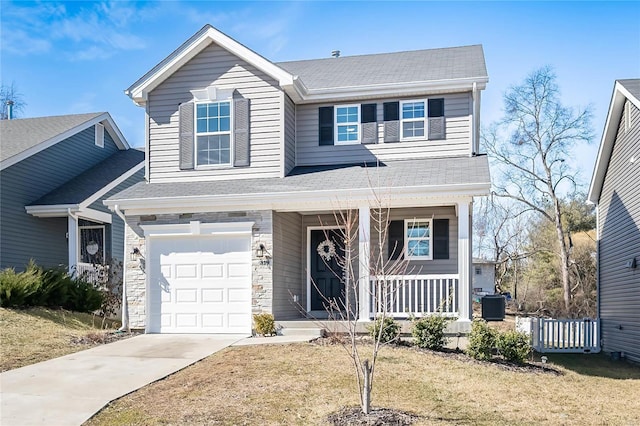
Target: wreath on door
{"points": [[327, 250]]}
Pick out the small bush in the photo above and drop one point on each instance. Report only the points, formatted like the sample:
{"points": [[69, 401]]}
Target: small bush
{"points": [[17, 288], [514, 346], [83, 296], [482, 340], [265, 324], [428, 332], [386, 328], [54, 291]]}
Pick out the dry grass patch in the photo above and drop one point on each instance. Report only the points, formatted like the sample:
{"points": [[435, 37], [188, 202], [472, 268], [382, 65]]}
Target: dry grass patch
{"points": [[304, 383], [38, 334]]}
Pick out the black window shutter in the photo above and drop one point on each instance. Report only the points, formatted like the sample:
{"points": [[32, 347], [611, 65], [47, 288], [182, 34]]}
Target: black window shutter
{"points": [[368, 113], [186, 135], [391, 111], [241, 143], [441, 238], [325, 121], [396, 238], [436, 107]]}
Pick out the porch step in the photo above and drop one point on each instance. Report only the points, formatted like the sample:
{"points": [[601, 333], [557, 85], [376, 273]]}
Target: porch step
{"points": [[308, 332]]}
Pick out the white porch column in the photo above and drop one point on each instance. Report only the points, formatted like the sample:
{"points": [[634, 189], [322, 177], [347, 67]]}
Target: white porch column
{"points": [[72, 241], [464, 261], [364, 252]]}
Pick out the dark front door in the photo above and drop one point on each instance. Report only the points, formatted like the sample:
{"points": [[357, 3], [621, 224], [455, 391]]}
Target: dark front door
{"points": [[326, 274]]}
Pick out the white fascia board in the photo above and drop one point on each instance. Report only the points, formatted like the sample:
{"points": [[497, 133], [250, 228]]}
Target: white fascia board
{"points": [[102, 118], [117, 181], [138, 92], [381, 90], [197, 228], [620, 93], [303, 201], [63, 210]]}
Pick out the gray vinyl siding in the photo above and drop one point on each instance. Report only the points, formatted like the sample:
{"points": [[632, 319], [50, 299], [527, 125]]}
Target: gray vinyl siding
{"points": [[457, 142], [288, 266], [619, 242], [427, 267], [115, 243], [215, 66], [289, 134], [24, 237]]}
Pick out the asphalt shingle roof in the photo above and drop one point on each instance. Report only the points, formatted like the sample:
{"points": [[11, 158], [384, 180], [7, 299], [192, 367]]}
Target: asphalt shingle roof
{"points": [[20, 134], [399, 67], [88, 183], [398, 174], [632, 85]]}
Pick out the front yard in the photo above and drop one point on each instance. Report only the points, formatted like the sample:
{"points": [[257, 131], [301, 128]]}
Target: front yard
{"points": [[32, 335], [303, 383]]}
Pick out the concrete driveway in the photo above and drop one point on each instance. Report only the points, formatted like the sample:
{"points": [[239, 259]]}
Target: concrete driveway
{"points": [[70, 389]]}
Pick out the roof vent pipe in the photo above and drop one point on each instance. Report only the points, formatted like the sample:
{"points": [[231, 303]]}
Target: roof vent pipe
{"points": [[9, 110], [335, 53]]}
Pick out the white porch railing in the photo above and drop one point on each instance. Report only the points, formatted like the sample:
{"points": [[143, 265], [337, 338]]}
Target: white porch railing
{"points": [[93, 273], [563, 335], [417, 295]]}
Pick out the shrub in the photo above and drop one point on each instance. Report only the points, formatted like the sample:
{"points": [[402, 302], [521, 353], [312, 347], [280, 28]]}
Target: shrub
{"points": [[83, 296], [265, 324], [386, 328], [17, 288], [54, 290], [514, 346], [428, 332], [482, 340]]}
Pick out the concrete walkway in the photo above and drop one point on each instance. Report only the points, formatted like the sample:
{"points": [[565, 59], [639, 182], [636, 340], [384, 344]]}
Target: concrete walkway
{"points": [[70, 389]]}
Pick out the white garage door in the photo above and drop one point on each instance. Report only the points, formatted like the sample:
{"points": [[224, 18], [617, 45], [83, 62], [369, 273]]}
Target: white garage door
{"points": [[200, 284]]}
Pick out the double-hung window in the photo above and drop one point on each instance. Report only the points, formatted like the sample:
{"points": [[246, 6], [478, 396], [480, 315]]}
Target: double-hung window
{"points": [[418, 239], [413, 119], [347, 124], [213, 133]]}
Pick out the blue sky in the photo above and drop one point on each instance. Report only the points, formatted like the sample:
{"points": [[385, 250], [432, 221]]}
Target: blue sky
{"points": [[74, 57]]}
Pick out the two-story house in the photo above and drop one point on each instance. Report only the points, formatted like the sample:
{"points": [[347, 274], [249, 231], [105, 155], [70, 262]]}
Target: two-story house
{"points": [[247, 160]]}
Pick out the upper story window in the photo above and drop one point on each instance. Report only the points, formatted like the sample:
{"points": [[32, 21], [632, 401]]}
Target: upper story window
{"points": [[213, 133], [347, 124], [418, 239], [412, 118]]}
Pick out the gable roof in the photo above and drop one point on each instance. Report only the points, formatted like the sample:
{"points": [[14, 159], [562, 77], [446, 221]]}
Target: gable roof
{"points": [[419, 71], [24, 137], [622, 90]]}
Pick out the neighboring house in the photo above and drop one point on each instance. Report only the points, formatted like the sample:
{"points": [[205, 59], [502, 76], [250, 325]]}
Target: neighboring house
{"points": [[248, 159], [615, 188], [55, 172], [484, 273]]}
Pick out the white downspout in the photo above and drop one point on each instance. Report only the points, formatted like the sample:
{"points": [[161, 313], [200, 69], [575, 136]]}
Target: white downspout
{"points": [[474, 121], [125, 305]]}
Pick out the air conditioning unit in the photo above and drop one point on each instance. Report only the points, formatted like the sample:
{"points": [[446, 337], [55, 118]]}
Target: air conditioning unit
{"points": [[493, 307]]}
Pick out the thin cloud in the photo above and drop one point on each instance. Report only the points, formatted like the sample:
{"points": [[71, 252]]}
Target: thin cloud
{"points": [[80, 32]]}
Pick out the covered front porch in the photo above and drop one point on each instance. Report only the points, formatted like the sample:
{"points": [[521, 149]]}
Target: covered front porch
{"points": [[431, 238]]}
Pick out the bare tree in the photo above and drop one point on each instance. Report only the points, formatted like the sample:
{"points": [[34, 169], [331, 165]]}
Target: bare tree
{"points": [[382, 294], [531, 145], [9, 93]]}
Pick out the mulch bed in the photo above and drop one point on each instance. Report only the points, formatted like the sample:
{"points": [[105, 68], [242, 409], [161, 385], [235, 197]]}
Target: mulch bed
{"points": [[353, 416]]}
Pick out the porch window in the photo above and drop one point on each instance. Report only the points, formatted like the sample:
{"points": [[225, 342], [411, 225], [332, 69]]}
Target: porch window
{"points": [[213, 133], [347, 124], [418, 239], [92, 244]]}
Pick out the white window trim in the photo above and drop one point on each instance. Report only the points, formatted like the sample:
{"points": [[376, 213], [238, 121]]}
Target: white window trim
{"points": [[104, 242], [196, 134], [335, 125], [411, 120], [99, 135], [406, 239]]}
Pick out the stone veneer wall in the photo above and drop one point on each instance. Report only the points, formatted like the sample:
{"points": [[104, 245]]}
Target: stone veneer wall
{"points": [[135, 275]]}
